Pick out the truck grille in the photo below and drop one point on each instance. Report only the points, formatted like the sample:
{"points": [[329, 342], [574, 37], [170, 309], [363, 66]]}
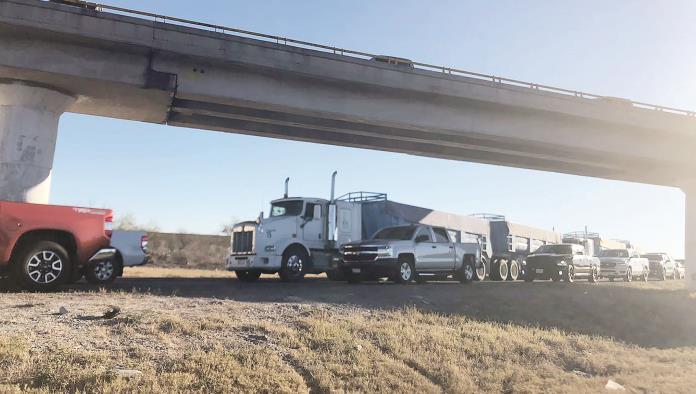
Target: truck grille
{"points": [[243, 242], [608, 265], [359, 258]]}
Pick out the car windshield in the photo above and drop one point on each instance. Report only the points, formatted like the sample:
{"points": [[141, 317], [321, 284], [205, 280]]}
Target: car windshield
{"points": [[396, 233], [653, 257], [615, 253], [555, 249], [286, 208]]}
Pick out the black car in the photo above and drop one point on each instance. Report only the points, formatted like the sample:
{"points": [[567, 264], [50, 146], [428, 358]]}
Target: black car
{"points": [[561, 262]]}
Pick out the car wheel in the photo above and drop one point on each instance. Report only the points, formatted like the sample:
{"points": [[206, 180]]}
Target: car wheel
{"points": [[248, 276], [663, 274], [594, 275], [674, 274], [629, 275], [42, 266], [503, 269], [103, 272], [513, 270], [645, 276], [294, 265], [569, 274], [404, 271], [467, 272]]}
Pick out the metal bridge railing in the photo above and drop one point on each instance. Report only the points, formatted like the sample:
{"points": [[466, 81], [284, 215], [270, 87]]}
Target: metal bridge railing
{"points": [[446, 71]]}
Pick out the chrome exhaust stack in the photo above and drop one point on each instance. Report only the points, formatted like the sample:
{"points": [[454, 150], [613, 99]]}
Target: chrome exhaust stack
{"points": [[287, 181]]}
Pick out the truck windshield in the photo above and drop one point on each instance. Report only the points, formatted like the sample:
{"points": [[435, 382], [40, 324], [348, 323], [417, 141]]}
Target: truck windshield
{"points": [[396, 233], [614, 253], [555, 249], [286, 208]]}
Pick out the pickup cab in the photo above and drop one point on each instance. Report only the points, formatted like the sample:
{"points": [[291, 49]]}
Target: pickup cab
{"points": [[44, 246], [623, 263], [411, 252], [565, 261], [662, 266]]}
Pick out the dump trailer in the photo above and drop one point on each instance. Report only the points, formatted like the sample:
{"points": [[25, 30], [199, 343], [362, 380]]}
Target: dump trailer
{"points": [[510, 245]]}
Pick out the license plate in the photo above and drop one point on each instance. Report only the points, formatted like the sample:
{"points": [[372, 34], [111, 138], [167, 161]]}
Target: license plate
{"points": [[539, 271], [356, 270]]}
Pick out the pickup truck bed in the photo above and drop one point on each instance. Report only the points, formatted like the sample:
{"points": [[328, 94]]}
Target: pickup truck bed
{"points": [[43, 246]]}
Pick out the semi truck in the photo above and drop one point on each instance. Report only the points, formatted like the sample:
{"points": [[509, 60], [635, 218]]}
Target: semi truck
{"points": [[303, 234]]}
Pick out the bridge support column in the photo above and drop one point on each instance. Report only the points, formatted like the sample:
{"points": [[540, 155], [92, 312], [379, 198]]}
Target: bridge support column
{"points": [[690, 234], [28, 130]]}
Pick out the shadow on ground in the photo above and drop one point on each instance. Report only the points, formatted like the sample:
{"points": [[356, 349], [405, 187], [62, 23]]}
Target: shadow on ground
{"points": [[656, 314]]}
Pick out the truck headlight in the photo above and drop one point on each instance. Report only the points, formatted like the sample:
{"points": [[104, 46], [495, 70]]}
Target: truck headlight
{"points": [[270, 248], [386, 251]]}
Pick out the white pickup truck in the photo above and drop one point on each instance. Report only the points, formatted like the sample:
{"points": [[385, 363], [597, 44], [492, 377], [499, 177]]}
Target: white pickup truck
{"points": [[411, 252], [131, 251], [623, 263]]}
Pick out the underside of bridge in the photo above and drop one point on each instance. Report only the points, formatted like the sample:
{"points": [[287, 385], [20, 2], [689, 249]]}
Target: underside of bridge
{"points": [[57, 58]]}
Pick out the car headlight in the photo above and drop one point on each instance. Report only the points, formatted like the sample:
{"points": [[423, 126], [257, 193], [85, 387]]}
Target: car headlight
{"points": [[385, 251], [562, 263], [270, 248]]}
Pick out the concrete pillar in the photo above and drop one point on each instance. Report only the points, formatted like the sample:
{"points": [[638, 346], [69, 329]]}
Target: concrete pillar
{"points": [[690, 234], [28, 130]]}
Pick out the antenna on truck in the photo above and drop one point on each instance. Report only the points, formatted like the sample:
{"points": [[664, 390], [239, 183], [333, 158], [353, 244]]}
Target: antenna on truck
{"points": [[333, 185], [287, 180]]}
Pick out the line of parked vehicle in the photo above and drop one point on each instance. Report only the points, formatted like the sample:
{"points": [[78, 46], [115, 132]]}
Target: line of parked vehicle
{"points": [[364, 236], [355, 237]]}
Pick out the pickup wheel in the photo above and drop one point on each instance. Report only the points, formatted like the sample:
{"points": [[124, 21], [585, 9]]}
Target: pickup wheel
{"points": [[467, 272], [646, 274], [662, 275], [405, 271], [103, 272], [569, 274], [41, 265], [294, 266], [594, 275], [248, 276], [629, 275]]}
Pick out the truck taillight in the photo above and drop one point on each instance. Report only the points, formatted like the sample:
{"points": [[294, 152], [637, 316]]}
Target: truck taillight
{"points": [[143, 243], [108, 226]]}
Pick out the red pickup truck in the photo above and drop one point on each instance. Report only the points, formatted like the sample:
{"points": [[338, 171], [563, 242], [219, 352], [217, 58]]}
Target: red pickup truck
{"points": [[44, 246]]}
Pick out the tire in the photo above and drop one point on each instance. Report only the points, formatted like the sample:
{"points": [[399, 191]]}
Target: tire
{"points": [[294, 265], [102, 273], [405, 271], [335, 275], [663, 274], [514, 270], [467, 272], [481, 271], [594, 276], [248, 276], [629, 275], [41, 266], [569, 274], [674, 275], [352, 278], [502, 269], [646, 274]]}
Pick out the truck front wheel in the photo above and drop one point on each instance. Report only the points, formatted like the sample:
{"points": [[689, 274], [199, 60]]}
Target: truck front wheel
{"points": [[404, 271], [248, 276], [41, 265], [294, 266], [467, 272]]}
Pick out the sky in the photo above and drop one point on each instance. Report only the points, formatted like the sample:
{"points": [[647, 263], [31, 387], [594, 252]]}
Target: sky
{"points": [[190, 180]]}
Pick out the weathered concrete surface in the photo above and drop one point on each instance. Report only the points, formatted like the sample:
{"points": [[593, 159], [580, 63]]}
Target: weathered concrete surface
{"points": [[28, 129]]}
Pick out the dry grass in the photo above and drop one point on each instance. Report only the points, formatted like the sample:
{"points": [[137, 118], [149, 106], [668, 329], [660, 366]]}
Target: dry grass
{"points": [[169, 272], [207, 345]]}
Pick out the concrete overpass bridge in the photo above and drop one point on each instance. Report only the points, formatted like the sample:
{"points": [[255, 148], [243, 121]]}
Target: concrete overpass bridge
{"points": [[118, 63]]}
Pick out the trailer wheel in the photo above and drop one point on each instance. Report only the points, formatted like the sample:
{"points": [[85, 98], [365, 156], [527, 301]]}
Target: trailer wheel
{"points": [[295, 264], [503, 269], [481, 270], [42, 266], [513, 270]]}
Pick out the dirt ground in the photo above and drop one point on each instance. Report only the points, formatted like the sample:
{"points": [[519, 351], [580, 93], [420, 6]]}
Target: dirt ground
{"points": [[203, 331]]}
